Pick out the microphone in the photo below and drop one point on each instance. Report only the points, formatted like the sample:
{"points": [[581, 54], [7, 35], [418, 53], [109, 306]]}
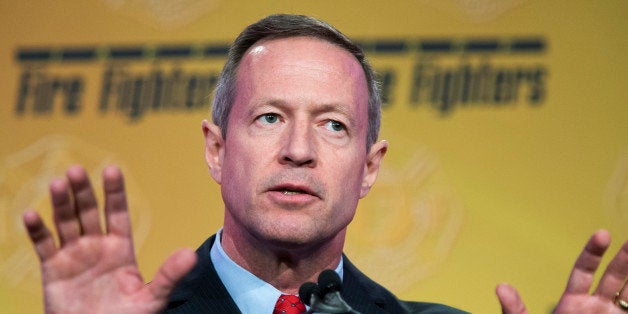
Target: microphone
{"points": [[325, 297]]}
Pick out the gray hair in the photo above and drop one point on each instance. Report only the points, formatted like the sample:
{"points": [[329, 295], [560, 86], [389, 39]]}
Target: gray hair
{"points": [[282, 26]]}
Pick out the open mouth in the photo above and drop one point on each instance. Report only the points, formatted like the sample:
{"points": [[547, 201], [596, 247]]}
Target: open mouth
{"points": [[292, 192], [290, 189]]}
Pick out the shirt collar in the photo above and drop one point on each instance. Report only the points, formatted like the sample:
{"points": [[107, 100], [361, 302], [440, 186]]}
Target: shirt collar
{"points": [[250, 293]]}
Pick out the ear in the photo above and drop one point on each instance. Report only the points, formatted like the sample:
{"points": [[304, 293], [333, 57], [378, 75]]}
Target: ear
{"points": [[214, 149], [371, 168]]}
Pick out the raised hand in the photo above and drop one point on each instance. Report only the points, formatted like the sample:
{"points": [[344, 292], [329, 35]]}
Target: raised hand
{"points": [[609, 296], [92, 271]]}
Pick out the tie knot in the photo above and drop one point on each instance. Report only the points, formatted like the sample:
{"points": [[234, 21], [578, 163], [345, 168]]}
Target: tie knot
{"points": [[289, 304]]}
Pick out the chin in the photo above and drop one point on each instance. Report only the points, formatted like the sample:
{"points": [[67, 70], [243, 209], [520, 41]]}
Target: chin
{"points": [[292, 236]]}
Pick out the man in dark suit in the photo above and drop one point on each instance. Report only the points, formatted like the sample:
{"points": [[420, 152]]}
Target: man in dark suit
{"points": [[202, 291], [293, 145]]}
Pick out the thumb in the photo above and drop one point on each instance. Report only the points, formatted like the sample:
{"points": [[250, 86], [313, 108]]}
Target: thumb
{"points": [[171, 271], [510, 300]]}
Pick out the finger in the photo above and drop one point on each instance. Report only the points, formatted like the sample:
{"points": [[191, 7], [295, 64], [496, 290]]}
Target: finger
{"points": [[64, 215], [172, 270], [510, 300], [581, 278], [85, 202], [116, 211], [615, 275], [39, 234]]}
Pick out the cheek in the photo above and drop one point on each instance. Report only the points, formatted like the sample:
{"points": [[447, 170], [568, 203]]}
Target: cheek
{"points": [[236, 164], [347, 173], [247, 160]]}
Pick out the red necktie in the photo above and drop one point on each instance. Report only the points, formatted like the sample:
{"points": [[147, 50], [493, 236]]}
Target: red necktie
{"points": [[289, 304]]}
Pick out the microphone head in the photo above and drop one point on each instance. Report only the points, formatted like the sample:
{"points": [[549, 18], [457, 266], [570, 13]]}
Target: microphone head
{"points": [[306, 291], [329, 281]]}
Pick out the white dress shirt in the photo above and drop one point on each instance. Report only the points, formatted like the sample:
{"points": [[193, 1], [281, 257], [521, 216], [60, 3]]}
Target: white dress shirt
{"points": [[250, 293]]}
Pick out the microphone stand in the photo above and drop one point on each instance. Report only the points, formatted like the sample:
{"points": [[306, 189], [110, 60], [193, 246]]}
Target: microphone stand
{"points": [[325, 297]]}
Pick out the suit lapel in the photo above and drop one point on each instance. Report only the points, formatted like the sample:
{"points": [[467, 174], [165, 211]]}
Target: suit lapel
{"points": [[363, 294], [202, 290]]}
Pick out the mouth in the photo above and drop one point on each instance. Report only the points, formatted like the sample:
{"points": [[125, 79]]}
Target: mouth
{"points": [[293, 189], [290, 192]]}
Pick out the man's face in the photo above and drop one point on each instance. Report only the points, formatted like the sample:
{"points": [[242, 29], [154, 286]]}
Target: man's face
{"points": [[294, 164]]}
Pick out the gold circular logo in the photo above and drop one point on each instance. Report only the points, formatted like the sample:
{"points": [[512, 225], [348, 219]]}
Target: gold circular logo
{"points": [[412, 217], [24, 179]]}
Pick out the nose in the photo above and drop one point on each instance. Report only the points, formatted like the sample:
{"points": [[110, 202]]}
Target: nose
{"points": [[299, 148]]}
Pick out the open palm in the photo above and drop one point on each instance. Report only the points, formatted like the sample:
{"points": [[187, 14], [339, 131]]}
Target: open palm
{"points": [[91, 271]]}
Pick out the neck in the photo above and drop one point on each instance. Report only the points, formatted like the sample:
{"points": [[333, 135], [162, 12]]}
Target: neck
{"points": [[286, 266]]}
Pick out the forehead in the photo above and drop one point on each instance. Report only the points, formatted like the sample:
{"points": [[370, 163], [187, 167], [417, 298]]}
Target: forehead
{"points": [[302, 69], [307, 48]]}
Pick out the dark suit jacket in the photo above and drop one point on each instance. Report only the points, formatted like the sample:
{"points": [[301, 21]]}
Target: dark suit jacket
{"points": [[201, 291]]}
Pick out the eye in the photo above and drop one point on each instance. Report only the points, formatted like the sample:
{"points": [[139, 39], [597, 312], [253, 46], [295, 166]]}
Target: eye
{"points": [[268, 118], [335, 126]]}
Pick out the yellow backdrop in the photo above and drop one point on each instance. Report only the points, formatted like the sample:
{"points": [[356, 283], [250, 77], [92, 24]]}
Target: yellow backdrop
{"points": [[507, 124]]}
